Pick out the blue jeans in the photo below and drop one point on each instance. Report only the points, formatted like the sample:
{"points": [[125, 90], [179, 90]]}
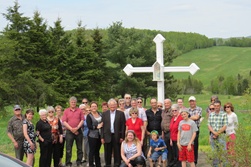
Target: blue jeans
{"points": [[218, 146]]}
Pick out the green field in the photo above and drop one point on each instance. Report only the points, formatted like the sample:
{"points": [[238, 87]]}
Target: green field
{"points": [[216, 61]]}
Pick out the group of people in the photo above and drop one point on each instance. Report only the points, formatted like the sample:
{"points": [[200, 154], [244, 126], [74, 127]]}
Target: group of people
{"points": [[164, 134]]}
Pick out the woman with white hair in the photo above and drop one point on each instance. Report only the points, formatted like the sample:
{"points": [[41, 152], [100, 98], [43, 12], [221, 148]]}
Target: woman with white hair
{"points": [[57, 134], [174, 124], [43, 129]]}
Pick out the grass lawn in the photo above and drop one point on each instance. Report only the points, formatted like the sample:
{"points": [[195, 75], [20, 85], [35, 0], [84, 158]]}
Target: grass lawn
{"points": [[215, 61]]}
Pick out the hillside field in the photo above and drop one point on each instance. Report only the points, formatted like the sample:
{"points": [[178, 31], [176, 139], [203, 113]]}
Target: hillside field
{"points": [[216, 61]]}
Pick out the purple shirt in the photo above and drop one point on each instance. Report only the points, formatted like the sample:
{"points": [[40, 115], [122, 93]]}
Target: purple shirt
{"points": [[73, 117]]}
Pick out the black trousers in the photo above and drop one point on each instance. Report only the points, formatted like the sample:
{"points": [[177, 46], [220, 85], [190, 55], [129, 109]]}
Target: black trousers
{"points": [[137, 161], [196, 146], [45, 154], [176, 154], [56, 153], [61, 150], [115, 148], [170, 157], [94, 145]]}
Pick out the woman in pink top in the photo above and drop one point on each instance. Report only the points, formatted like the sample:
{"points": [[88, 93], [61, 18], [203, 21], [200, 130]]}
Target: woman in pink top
{"points": [[136, 124], [174, 124]]}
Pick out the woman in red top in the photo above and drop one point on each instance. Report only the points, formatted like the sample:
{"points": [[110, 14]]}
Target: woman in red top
{"points": [[174, 124], [136, 124]]}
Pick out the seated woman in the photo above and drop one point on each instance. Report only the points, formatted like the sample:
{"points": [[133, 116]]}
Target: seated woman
{"points": [[131, 152]]}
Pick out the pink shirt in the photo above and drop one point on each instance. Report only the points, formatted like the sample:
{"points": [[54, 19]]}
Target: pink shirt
{"points": [[73, 117]]}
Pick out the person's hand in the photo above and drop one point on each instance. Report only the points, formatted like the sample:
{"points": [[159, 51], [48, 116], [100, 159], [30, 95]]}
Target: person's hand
{"points": [[156, 149], [148, 133], [121, 140], [15, 144], [148, 155], [130, 165], [73, 130], [127, 162], [179, 146], [141, 142], [189, 148], [103, 141], [32, 146], [61, 139], [100, 125], [171, 143]]}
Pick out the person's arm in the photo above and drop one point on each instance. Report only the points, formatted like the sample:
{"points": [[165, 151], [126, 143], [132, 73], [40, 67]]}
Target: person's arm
{"points": [[189, 148], [149, 152], [123, 121], [142, 134], [178, 141], [123, 155], [60, 130]]}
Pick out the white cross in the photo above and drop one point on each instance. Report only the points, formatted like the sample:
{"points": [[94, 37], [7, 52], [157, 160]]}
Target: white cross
{"points": [[158, 68]]}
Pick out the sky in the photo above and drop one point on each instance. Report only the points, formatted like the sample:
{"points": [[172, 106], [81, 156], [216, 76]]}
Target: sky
{"points": [[212, 18]]}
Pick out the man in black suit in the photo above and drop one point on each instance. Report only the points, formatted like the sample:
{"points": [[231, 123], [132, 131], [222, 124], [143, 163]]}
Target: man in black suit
{"points": [[113, 133]]}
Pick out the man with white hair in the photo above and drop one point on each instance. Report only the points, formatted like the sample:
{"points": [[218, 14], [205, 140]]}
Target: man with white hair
{"points": [[113, 133], [73, 119]]}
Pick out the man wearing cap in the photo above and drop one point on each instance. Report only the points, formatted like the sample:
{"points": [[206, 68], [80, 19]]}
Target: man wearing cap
{"points": [[195, 114], [15, 132]]}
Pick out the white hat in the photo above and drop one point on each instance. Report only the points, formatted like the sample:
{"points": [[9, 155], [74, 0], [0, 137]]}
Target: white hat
{"points": [[192, 98]]}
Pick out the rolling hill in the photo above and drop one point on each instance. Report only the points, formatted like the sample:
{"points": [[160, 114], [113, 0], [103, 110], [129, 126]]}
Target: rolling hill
{"points": [[216, 61]]}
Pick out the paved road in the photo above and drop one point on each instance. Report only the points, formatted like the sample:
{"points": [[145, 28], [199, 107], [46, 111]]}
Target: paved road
{"points": [[201, 163]]}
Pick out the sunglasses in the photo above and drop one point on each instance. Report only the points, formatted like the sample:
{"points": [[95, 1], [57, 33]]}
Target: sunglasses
{"points": [[160, 106], [227, 107], [17, 109], [121, 103], [84, 102], [139, 101], [51, 112], [174, 110], [134, 113], [211, 108]]}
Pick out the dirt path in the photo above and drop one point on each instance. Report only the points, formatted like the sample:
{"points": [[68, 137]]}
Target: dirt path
{"points": [[202, 162]]}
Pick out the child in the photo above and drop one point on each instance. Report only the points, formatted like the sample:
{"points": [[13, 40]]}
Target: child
{"points": [[157, 148], [186, 135]]}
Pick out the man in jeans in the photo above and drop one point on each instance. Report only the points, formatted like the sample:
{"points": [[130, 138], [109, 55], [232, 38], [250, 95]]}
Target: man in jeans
{"points": [[73, 119], [217, 124]]}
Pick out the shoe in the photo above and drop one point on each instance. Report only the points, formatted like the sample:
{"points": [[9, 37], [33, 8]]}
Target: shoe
{"points": [[83, 161]]}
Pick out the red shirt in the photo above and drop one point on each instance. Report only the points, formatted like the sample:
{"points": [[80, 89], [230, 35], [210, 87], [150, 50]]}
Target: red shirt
{"points": [[73, 117], [174, 127], [136, 127]]}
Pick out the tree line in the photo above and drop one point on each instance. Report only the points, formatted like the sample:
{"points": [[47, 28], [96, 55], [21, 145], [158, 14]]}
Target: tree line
{"points": [[44, 65]]}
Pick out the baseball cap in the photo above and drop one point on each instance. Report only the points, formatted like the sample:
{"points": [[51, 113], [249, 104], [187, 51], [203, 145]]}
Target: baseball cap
{"points": [[192, 98], [17, 107]]}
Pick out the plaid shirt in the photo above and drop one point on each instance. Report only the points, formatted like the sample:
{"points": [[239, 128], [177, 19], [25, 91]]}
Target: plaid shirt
{"points": [[217, 121], [196, 111]]}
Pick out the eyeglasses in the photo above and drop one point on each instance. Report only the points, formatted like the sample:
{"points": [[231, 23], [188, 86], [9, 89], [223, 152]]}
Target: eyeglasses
{"points": [[174, 110], [121, 103], [160, 106], [134, 113], [139, 101], [17, 109], [211, 108], [87, 110], [84, 102], [82, 109], [51, 112], [227, 107]]}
